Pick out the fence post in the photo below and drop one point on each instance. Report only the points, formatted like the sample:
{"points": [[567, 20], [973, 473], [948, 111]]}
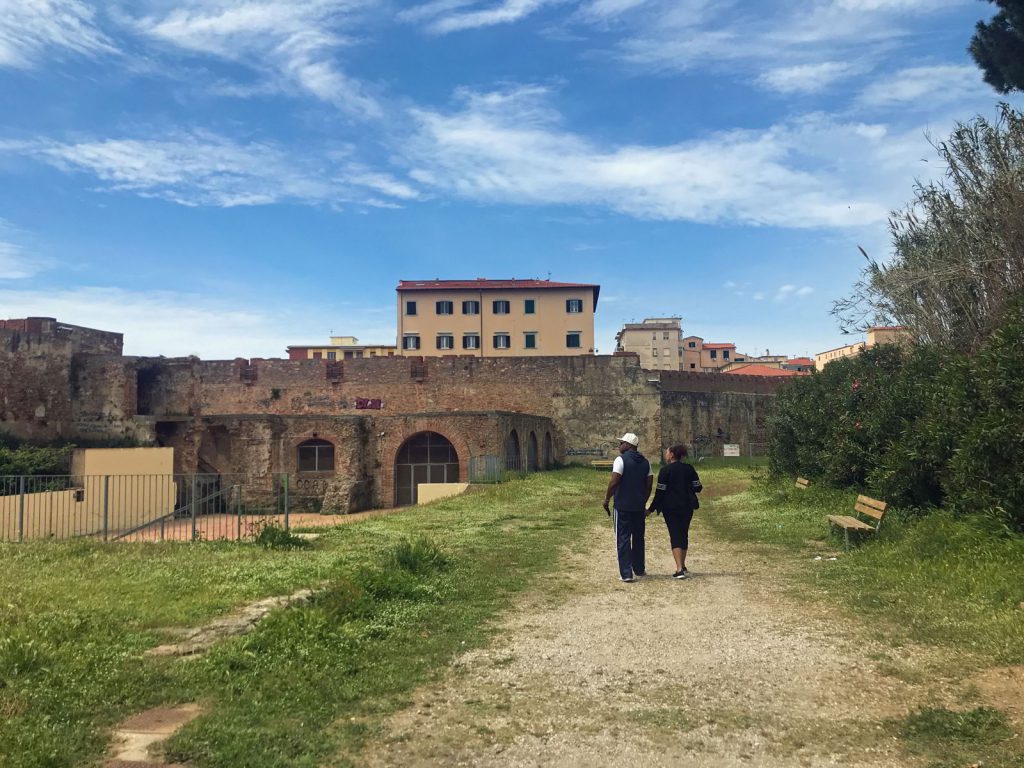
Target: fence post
{"points": [[286, 516], [106, 506], [238, 511], [21, 508], [193, 503]]}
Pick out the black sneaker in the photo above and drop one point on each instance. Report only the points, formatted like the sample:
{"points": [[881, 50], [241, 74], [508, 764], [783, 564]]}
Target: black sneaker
{"points": [[680, 574]]}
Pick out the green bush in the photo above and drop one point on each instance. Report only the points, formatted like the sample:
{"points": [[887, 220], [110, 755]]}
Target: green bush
{"points": [[32, 460], [271, 536]]}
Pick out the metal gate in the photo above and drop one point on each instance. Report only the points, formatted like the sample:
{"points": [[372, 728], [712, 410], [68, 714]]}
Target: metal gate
{"points": [[424, 458]]}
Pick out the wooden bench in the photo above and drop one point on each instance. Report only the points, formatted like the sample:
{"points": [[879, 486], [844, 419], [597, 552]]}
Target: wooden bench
{"points": [[602, 464], [866, 506], [802, 482]]}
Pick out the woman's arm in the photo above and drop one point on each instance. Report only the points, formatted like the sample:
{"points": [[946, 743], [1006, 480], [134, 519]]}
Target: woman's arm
{"points": [[659, 493]]}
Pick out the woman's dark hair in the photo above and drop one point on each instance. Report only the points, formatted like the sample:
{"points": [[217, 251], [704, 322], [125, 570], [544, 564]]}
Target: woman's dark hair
{"points": [[679, 451]]}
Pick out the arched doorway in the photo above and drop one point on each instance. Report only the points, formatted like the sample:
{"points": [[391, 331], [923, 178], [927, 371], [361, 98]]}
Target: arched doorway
{"points": [[426, 457], [531, 453], [549, 451], [512, 458]]}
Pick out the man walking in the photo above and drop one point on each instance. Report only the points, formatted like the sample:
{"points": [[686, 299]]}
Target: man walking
{"points": [[631, 482]]}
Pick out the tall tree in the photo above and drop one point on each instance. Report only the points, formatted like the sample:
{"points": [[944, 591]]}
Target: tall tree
{"points": [[958, 248], [998, 47]]}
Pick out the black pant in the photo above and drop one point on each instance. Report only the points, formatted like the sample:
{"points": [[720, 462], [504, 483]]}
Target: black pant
{"points": [[629, 541], [678, 522]]}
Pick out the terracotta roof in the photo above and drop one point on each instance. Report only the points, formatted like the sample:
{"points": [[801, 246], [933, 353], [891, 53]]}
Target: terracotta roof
{"points": [[719, 346], [800, 361], [764, 370], [484, 284]]}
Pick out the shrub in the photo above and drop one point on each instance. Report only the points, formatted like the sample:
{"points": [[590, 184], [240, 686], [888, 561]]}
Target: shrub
{"points": [[420, 556], [272, 536]]}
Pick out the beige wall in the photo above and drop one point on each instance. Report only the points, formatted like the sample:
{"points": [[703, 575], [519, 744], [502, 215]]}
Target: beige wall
{"points": [[115, 488], [428, 492], [887, 335], [656, 352], [850, 350], [324, 353], [550, 321]]}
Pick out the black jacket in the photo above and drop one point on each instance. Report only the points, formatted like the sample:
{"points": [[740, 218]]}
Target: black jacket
{"points": [[677, 482]]}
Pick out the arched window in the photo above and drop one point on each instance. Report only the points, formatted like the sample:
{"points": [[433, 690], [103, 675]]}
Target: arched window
{"points": [[531, 453], [512, 460], [426, 457], [315, 456]]}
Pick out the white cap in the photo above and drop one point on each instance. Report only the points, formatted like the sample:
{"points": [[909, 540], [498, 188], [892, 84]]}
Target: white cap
{"points": [[630, 438]]}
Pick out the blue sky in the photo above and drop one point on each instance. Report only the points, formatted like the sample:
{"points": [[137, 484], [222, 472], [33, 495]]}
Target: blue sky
{"points": [[227, 177]]}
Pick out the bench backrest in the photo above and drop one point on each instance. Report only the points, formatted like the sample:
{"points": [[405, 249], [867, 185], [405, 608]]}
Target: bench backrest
{"points": [[871, 507], [802, 482]]}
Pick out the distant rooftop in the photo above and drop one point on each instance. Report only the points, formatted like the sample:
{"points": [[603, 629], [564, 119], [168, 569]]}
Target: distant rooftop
{"points": [[763, 370], [486, 284]]}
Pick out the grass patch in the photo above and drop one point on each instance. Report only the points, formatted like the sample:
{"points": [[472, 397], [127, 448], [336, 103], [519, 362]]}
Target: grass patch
{"points": [[404, 595], [951, 739], [935, 579]]}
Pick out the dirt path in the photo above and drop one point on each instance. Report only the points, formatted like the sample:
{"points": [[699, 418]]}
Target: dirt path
{"points": [[724, 669]]}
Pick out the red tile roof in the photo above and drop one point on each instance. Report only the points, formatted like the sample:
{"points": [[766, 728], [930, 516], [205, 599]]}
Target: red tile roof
{"points": [[480, 282], [800, 361], [719, 346], [764, 370]]}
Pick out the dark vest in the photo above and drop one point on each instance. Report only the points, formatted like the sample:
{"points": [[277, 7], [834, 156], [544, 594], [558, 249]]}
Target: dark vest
{"points": [[629, 495]]}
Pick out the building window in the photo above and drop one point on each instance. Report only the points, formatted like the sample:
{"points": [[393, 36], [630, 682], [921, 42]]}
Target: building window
{"points": [[349, 355], [373, 353], [411, 341], [529, 307], [318, 355], [680, 351], [654, 337], [530, 340], [693, 365], [315, 456], [725, 354], [667, 352], [445, 341], [410, 307], [471, 341], [332, 355], [445, 308], [502, 341], [664, 335], [714, 354], [501, 307], [654, 352], [574, 306], [692, 344], [572, 339], [471, 307]]}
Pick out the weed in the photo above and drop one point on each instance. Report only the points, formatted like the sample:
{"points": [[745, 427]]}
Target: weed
{"points": [[420, 556], [269, 535], [983, 725]]}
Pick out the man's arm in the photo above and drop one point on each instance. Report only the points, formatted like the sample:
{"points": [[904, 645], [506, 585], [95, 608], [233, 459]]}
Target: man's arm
{"points": [[613, 483], [648, 485]]}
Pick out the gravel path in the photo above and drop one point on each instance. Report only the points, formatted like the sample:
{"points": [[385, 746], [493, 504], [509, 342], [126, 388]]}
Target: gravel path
{"points": [[723, 669]]}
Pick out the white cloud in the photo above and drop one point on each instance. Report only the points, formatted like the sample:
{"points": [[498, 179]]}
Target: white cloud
{"points": [[446, 16], [202, 168], [806, 78], [15, 262], [789, 291], [30, 29], [296, 41], [179, 324], [926, 86], [812, 171]]}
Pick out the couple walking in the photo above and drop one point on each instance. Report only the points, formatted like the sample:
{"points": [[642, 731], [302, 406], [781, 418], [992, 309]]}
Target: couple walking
{"points": [[675, 498]]}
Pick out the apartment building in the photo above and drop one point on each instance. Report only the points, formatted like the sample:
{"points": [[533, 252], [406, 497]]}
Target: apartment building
{"points": [[496, 318], [657, 341], [877, 334], [340, 348]]}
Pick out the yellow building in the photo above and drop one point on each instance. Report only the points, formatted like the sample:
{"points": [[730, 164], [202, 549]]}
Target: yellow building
{"points": [[877, 334], [496, 318], [341, 348]]}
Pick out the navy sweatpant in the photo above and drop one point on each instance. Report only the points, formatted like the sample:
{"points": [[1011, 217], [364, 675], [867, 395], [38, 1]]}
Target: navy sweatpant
{"points": [[629, 541]]}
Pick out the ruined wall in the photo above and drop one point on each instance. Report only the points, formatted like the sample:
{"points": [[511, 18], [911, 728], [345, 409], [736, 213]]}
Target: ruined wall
{"points": [[712, 419]]}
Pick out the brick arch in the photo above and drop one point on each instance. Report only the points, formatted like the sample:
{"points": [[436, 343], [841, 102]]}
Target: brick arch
{"points": [[391, 444], [292, 460]]}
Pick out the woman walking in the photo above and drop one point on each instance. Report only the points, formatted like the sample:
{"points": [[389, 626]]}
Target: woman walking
{"points": [[676, 498]]}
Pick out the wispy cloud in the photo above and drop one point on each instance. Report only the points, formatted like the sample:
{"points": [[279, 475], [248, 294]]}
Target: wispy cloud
{"points": [[510, 147], [31, 29], [806, 78], [16, 262], [296, 42], [178, 324], [202, 168], [789, 291], [445, 16], [926, 86]]}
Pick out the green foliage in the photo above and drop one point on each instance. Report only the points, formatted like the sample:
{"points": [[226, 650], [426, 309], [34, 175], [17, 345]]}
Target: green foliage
{"points": [[983, 724], [32, 460], [998, 47], [269, 535], [420, 556], [920, 428]]}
